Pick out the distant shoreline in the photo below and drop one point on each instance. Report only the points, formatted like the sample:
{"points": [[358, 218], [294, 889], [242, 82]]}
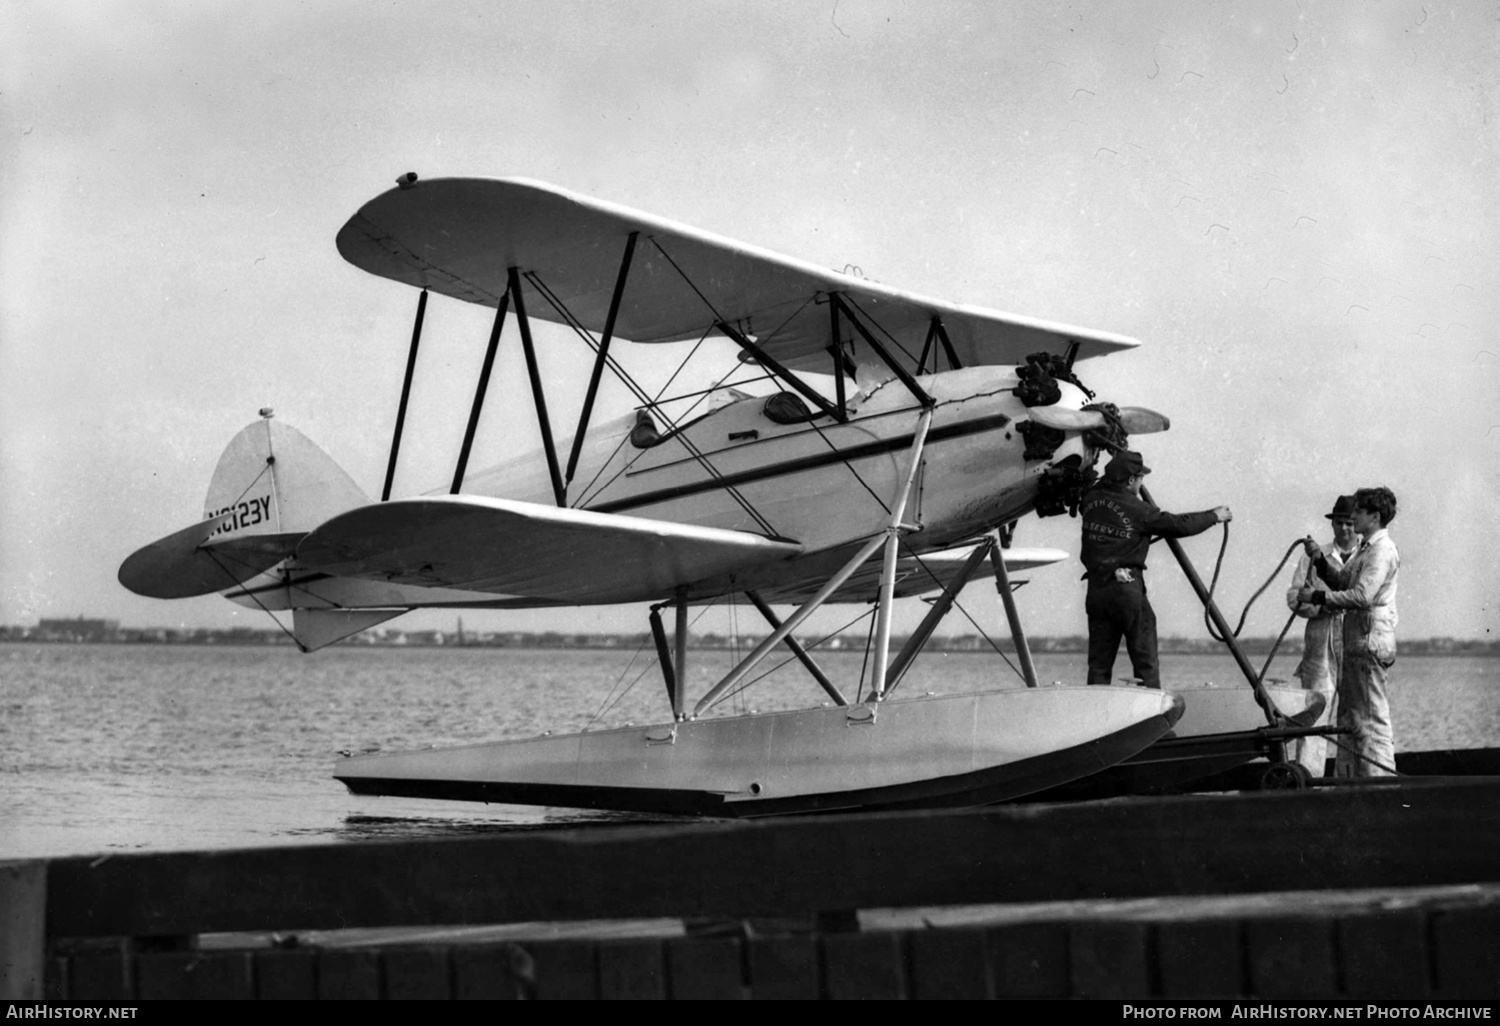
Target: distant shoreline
{"points": [[551, 641]]}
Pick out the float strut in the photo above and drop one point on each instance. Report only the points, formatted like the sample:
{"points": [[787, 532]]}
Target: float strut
{"points": [[682, 639], [892, 555], [664, 656], [1008, 600], [941, 606], [800, 652], [792, 622]]}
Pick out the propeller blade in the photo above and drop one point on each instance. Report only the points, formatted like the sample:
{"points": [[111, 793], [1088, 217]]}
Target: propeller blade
{"points": [[1062, 419], [1137, 420]]}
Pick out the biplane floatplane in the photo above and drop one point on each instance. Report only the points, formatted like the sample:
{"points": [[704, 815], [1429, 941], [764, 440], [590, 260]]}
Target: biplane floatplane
{"points": [[900, 442]]}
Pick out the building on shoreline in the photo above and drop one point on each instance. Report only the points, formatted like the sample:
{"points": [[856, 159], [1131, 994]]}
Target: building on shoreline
{"points": [[79, 629], [85, 630]]}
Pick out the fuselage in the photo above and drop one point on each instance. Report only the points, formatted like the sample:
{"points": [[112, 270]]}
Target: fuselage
{"points": [[825, 484], [764, 465]]}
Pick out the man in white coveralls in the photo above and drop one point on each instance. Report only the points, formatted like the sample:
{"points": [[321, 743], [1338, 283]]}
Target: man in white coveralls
{"points": [[1365, 587], [1322, 642]]}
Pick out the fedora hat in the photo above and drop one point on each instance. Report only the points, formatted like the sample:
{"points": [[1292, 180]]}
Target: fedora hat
{"points": [[1126, 464], [1343, 508]]}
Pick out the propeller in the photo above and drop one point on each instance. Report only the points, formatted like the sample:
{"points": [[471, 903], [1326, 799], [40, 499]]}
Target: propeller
{"points": [[1136, 420]]}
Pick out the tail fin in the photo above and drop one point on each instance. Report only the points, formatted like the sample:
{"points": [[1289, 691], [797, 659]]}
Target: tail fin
{"points": [[274, 480], [271, 487]]}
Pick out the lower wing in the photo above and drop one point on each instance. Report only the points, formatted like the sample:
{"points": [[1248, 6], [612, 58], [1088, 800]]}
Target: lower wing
{"points": [[523, 549], [915, 575]]}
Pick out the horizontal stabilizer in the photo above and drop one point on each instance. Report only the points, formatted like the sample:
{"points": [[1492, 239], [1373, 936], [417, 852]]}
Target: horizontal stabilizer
{"points": [[270, 487], [316, 628], [506, 547], [181, 565]]}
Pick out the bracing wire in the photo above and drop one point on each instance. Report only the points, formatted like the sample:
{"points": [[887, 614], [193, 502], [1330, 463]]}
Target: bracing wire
{"points": [[263, 607], [811, 647], [606, 705], [640, 393], [864, 665], [880, 328], [967, 616]]}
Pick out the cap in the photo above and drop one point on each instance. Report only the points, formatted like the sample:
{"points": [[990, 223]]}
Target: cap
{"points": [[1126, 464], [1343, 508]]}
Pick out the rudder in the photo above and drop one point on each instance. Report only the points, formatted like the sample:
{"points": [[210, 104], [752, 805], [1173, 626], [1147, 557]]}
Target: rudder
{"points": [[270, 488], [272, 479]]}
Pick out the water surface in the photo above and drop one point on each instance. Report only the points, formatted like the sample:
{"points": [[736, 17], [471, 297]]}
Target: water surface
{"points": [[115, 748]]}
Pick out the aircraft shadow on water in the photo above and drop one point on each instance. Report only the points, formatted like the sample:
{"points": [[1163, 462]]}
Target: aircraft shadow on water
{"points": [[895, 442]]}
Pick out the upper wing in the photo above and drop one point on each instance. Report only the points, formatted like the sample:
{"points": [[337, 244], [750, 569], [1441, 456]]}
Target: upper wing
{"points": [[506, 547], [460, 236]]}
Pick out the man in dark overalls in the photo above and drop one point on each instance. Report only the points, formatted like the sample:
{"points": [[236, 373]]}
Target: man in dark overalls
{"points": [[1118, 527]]}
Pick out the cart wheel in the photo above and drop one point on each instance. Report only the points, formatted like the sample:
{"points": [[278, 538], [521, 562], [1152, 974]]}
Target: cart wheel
{"points": [[1285, 776]]}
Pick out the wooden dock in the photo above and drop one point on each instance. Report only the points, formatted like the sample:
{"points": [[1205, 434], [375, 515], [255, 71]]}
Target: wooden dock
{"points": [[1383, 891]]}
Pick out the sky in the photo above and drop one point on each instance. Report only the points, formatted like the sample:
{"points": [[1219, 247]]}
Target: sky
{"points": [[1294, 206]]}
